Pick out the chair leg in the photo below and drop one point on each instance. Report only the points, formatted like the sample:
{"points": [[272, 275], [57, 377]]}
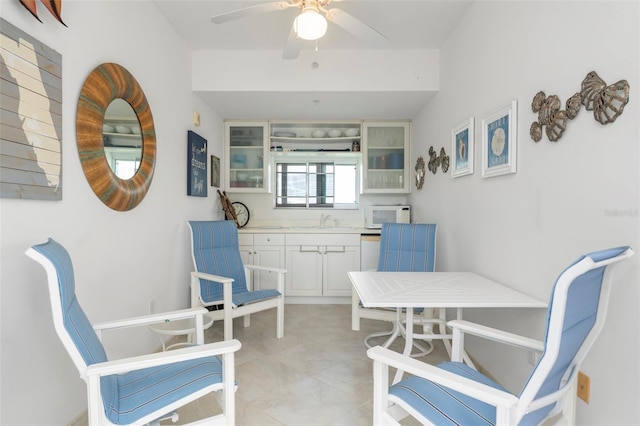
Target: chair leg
{"points": [[280, 318]]}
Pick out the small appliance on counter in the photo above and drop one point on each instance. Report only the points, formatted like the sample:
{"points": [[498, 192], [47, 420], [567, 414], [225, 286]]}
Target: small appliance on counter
{"points": [[375, 216]]}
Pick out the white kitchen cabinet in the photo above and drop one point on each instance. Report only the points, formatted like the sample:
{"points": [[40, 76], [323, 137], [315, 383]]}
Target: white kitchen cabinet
{"points": [[317, 264], [246, 156], [385, 157], [263, 250]]}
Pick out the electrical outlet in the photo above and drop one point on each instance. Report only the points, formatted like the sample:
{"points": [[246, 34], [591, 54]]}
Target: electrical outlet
{"points": [[584, 387], [151, 307]]}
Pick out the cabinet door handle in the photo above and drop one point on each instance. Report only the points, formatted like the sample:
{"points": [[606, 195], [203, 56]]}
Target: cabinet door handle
{"points": [[309, 249], [335, 249]]}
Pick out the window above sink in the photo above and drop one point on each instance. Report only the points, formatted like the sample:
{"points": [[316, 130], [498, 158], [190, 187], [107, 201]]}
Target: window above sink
{"points": [[313, 180]]}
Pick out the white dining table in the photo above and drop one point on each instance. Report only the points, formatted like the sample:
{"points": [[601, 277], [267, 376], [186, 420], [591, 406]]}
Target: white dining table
{"points": [[441, 290]]}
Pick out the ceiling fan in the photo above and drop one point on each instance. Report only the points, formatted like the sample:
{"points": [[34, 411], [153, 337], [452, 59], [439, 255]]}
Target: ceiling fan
{"points": [[310, 24]]}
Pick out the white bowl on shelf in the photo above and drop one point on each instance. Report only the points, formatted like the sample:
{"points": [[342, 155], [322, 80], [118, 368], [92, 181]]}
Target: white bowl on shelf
{"points": [[123, 129], [106, 128], [352, 132], [335, 133], [318, 133], [136, 130]]}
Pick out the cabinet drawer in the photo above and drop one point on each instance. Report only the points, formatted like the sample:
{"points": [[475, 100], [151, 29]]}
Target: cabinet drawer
{"points": [[323, 239], [268, 239], [245, 239]]}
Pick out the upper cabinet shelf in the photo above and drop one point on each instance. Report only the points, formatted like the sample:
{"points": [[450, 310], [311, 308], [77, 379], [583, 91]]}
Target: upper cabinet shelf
{"points": [[312, 139], [292, 135]]}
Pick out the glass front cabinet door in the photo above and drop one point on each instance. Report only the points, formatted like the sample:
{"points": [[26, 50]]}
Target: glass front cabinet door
{"points": [[246, 156], [385, 157]]}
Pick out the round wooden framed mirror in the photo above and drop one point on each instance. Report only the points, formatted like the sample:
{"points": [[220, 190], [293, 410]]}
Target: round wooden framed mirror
{"points": [[106, 83]]}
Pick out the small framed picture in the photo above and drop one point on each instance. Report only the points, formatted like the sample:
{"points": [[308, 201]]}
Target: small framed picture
{"points": [[215, 171], [196, 165], [462, 148], [499, 142]]}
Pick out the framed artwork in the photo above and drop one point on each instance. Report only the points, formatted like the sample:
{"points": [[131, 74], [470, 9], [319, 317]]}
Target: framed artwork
{"points": [[31, 127], [462, 148], [499, 142], [196, 165], [215, 171]]}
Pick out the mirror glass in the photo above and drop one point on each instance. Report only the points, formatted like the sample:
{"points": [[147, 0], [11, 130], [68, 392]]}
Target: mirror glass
{"points": [[122, 139]]}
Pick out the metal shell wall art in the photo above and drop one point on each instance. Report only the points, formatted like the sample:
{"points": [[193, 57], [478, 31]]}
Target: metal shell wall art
{"points": [[606, 102], [549, 115], [444, 160], [435, 161]]}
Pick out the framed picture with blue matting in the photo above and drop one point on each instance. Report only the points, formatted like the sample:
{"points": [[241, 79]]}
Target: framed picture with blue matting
{"points": [[196, 165], [499, 142], [462, 148]]}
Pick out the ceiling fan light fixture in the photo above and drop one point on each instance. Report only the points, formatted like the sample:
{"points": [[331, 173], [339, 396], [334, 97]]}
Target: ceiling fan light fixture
{"points": [[310, 25]]}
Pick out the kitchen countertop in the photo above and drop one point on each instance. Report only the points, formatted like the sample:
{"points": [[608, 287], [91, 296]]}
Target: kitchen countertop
{"points": [[308, 230]]}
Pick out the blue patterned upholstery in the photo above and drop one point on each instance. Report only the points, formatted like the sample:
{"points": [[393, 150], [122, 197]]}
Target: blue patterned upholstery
{"points": [[131, 396], [445, 407], [216, 251], [407, 247]]}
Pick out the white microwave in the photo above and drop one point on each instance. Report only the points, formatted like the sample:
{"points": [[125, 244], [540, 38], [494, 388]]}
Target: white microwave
{"points": [[375, 216]]}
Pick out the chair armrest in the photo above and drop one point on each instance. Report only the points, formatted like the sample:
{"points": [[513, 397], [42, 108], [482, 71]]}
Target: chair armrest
{"points": [[279, 271], [496, 335], [266, 268], [150, 319], [162, 358], [211, 277], [479, 391]]}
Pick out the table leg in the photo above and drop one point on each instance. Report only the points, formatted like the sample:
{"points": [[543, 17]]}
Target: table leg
{"points": [[408, 342], [395, 332]]}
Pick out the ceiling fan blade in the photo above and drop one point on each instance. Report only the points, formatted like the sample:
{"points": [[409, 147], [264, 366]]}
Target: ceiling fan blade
{"points": [[354, 26], [294, 44], [251, 10]]}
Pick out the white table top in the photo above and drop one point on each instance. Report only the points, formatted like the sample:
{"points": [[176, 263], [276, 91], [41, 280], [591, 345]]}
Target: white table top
{"points": [[436, 290]]}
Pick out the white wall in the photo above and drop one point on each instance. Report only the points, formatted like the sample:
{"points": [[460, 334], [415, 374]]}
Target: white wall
{"points": [[123, 260], [567, 198]]}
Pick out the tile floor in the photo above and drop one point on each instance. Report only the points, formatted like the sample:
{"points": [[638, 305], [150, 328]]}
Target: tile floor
{"points": [[317, 374]]}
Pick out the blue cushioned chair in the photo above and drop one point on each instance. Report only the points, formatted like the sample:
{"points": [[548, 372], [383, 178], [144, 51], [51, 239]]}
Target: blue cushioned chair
{"points": [[455, 394], [137, 390], [220, 279], [404, 247]]}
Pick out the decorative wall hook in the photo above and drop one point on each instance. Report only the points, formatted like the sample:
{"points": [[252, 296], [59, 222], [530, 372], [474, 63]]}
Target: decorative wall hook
{"points": [[419, 172]]}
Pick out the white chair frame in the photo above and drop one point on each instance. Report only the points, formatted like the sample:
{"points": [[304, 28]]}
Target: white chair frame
{"points": [[227, 315], [510, 408], [91, 374]]}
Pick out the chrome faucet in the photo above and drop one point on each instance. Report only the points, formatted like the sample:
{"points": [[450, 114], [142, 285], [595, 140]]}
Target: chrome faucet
{"points": [[324, 218]]}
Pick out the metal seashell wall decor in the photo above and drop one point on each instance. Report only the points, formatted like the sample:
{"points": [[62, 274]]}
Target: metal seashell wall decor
{"points": [[606, 102], [435, 161]]}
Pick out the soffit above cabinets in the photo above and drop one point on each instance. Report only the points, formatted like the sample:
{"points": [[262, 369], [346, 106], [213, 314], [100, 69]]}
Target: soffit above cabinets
{"points": [[419, 25]]}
